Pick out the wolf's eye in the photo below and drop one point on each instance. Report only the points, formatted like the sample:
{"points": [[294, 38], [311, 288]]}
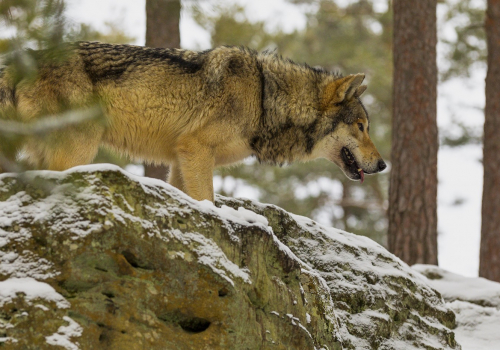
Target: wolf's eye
{"points": [[361, 127]]}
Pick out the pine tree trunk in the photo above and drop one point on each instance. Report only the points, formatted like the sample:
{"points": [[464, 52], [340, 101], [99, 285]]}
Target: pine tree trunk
{"points": [[162, 30], [412, 234], [162, 23], [489, 262]]}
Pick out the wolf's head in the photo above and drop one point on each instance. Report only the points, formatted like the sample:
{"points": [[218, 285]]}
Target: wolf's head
{"points": [[349, 144]]}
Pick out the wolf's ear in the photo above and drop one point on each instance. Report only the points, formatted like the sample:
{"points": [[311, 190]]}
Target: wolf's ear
{"points": [[360, 90], [342, 89]]}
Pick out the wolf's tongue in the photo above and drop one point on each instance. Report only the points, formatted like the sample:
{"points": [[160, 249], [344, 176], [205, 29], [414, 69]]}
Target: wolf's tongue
{"points": [[362, 175]]}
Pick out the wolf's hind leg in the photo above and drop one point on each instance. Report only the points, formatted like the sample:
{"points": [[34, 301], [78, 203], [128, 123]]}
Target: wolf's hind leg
{"points": [[10, 146], [175, 177], [4, 159], [63, 149]]}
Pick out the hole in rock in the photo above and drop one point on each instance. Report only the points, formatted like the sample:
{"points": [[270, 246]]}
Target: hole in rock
{"points": [[103, 337], [134, 261], [194, 325], [223, 292], [108, 294], [131, 258], [188, 323]]}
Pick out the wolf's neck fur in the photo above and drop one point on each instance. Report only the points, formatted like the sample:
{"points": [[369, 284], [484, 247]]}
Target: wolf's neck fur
{"points": [[290, 122]]}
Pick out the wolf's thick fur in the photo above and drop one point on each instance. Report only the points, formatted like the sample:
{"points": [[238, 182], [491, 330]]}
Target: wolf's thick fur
{"points": [[193, 110]]}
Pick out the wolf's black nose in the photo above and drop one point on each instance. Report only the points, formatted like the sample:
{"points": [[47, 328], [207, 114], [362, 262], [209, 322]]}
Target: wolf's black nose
{"points": [[381, 165]]}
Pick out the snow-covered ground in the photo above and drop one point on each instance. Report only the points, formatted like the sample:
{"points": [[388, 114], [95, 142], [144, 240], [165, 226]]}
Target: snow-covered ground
{"points": [[475, 302]]}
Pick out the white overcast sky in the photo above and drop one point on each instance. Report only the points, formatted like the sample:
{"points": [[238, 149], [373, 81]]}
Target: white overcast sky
{"points": [[460, 170]]}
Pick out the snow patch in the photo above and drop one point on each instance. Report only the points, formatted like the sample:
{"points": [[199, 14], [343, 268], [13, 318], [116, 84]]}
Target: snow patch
{"points": [[32, 289], [64, 334], [25, 265], [210, 254], [475, 302], [242, 214], [456, 287], [8, 339], [477, 326], [43, 307]]}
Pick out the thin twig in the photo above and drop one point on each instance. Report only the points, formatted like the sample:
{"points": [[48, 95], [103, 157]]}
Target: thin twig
{"points": [[49, 123]]}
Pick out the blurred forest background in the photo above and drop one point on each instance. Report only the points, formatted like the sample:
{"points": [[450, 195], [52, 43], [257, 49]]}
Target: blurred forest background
{"points": [[346, 36]]}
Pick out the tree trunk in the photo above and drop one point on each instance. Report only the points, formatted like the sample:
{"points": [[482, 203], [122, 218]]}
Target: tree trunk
{"points": [[162, 23], [412, 212], [162, 30], [489, 262]]}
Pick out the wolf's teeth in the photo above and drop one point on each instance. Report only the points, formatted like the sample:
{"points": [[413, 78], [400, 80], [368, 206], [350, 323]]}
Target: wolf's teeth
{"points": [[359, 170]]}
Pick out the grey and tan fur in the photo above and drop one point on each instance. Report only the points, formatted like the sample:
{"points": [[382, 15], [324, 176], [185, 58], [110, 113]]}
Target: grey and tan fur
{"points": [[193, 110]]}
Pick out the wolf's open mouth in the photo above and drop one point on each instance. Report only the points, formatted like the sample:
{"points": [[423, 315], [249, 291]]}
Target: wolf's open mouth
{"points": [[351, 164]]}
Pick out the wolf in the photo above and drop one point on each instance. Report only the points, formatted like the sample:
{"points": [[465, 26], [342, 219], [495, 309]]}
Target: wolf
{"points": [[191, 110]]}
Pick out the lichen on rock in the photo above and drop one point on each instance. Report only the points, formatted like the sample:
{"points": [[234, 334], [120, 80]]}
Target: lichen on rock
{"points": [[140, 265]]}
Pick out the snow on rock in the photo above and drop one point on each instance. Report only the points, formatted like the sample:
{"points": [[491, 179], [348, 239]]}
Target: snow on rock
{"points": [[61, 208], [210, 254], [475, 302], [32, 290], [477, 326], [452, 286], [64, 334]]}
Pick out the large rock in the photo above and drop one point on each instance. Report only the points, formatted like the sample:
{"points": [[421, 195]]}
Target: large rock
{"points": [[381, 303], [95, 258]]}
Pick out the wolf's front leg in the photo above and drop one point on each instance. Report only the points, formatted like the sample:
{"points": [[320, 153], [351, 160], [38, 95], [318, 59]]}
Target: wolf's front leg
{"points": [[196, 163]]}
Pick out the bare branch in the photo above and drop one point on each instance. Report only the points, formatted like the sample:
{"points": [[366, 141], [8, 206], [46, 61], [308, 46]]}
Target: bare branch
{"points": [[49, 123]]}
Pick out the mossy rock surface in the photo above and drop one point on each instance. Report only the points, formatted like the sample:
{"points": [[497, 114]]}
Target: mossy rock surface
{"points": [[94, 258]]}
